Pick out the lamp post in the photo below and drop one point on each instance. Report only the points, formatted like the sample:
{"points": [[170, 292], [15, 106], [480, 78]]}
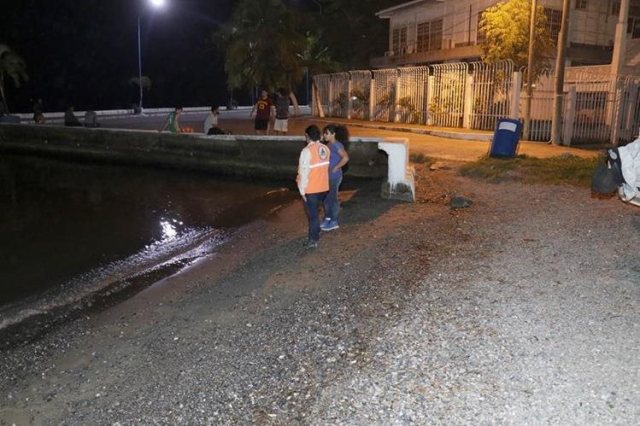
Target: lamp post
{"points": [[156, 4]]}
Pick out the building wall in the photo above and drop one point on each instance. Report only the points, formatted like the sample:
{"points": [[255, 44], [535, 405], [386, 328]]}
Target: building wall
{"points": [[593, 25]]}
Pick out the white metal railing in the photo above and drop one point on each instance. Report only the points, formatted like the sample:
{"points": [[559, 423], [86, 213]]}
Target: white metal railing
{"points": [[383, 94], [446, 106], [491, 85], [598, 107], [360, 95], [411, 104]]}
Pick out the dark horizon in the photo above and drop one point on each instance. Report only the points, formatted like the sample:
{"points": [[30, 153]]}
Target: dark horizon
{"points": [[84, 53]]}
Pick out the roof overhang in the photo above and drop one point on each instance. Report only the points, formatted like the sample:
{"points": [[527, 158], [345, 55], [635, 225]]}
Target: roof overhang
{"points": [[386, 13]]}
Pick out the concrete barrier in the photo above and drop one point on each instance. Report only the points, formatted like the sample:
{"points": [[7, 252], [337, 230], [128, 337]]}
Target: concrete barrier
{"points": [[400, 182], [240, 155]]}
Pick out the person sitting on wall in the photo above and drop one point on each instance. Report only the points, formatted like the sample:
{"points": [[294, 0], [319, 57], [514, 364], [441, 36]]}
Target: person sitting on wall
{"points": [[70, 119], [211, 122], [38, 112], [172, 123], [619, 171], [91, 119]]}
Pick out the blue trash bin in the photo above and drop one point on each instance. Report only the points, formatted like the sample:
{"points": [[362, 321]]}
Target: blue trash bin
{"points": [[506, 138]]}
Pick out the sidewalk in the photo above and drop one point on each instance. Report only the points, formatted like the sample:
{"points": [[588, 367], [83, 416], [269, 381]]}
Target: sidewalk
{"points": [[434, 142], [455, 144]]}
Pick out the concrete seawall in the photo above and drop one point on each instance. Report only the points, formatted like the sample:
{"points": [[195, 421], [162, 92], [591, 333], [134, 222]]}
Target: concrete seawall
{"points": [[239, 155]]}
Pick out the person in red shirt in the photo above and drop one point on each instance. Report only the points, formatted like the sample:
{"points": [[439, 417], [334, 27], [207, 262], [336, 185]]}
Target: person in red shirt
{"points": [[263, 109]]}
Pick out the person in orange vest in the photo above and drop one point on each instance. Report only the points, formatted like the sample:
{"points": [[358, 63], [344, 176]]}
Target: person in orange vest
{"points": [[313, 179]]}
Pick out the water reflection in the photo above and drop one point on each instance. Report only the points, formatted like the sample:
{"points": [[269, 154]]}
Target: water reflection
{"points": [[65, 226]]}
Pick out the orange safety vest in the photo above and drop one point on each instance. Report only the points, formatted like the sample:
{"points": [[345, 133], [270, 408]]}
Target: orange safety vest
{"points": [[319, 172]]}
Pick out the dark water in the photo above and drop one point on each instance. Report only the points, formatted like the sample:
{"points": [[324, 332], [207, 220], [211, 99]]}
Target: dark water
{"points": [[68, 230]]}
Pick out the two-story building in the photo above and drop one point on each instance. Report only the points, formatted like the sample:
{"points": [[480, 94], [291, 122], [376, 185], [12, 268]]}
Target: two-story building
{"points": [[437, 31]]}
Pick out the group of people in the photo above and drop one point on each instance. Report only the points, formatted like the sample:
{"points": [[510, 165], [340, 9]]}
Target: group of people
{"points": [[70, 119], [320, 176], [267, 108], [210, 126]]}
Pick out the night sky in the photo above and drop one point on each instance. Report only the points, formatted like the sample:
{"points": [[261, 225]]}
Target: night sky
{"points": [[84, 52]]}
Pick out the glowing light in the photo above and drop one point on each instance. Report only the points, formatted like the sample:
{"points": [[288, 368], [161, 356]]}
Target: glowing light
{"points": [[157, 3], [169, 231]]}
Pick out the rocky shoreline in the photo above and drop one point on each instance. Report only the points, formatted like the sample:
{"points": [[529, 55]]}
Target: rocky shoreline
{"points": [[519, 309]]}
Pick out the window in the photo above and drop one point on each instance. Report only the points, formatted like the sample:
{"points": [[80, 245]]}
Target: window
{"points": [[581, 4], [429, 36], [615, 7], [399, 41], [633, 27], [554, 21]]}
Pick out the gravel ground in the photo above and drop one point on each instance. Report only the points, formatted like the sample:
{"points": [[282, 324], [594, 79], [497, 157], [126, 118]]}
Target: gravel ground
{"points": [[522, 309]]}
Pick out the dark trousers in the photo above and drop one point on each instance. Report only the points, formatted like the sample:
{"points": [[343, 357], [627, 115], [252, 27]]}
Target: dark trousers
{"points": [[311, 207]]}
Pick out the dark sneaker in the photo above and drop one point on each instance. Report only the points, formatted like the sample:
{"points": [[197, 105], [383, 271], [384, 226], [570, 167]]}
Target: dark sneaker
{"points": [[333, 224], [325, 224], [311, 244]]}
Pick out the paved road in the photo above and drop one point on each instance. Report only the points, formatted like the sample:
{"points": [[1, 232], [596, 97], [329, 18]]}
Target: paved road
{"points": [[461, 148]]}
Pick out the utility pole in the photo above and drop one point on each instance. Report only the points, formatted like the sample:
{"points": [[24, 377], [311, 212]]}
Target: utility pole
{"points": [[556, 123], [619, 44], [527, 105], [617, 62]]}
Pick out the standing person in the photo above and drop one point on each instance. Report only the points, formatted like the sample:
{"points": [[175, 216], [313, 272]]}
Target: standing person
{"points": [[262, 108], [211, 122], [313, 180], [338, 159], [281, 125], [172, 123]]}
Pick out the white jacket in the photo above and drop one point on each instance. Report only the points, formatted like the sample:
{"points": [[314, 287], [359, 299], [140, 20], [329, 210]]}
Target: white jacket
{"points": [[630, 167]]}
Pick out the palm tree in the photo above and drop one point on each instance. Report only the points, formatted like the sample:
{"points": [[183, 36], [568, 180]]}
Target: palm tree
{"points": [[263, 45], [11, 66]]}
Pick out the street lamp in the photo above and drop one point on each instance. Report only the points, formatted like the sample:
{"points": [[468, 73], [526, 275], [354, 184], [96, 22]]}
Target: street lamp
{"points": [[155, 4]]}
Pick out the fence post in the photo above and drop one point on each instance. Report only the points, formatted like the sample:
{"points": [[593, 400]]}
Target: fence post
{"points": [[430, 83], [372, 98], [425, 96], [467, 106], [349, 100], [569, 116], [396, 98], [330, 103], [632, 89], [617, 112], [516, 87]]}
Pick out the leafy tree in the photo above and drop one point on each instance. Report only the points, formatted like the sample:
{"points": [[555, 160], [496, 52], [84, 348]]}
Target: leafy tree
{"points": [[263, 45], [13, 67], [146, 82], [506, 30]]}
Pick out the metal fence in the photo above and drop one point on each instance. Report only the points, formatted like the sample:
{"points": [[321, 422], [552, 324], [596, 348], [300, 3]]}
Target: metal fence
{"points": [[446, 106], [383, 94], [360, 94], [491, 86], [320, 104], [411, 101], [543, 92], [598, 108]]}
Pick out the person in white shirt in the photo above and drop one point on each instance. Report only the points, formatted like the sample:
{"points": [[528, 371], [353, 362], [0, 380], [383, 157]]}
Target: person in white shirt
{"points": [[211, 122]]}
